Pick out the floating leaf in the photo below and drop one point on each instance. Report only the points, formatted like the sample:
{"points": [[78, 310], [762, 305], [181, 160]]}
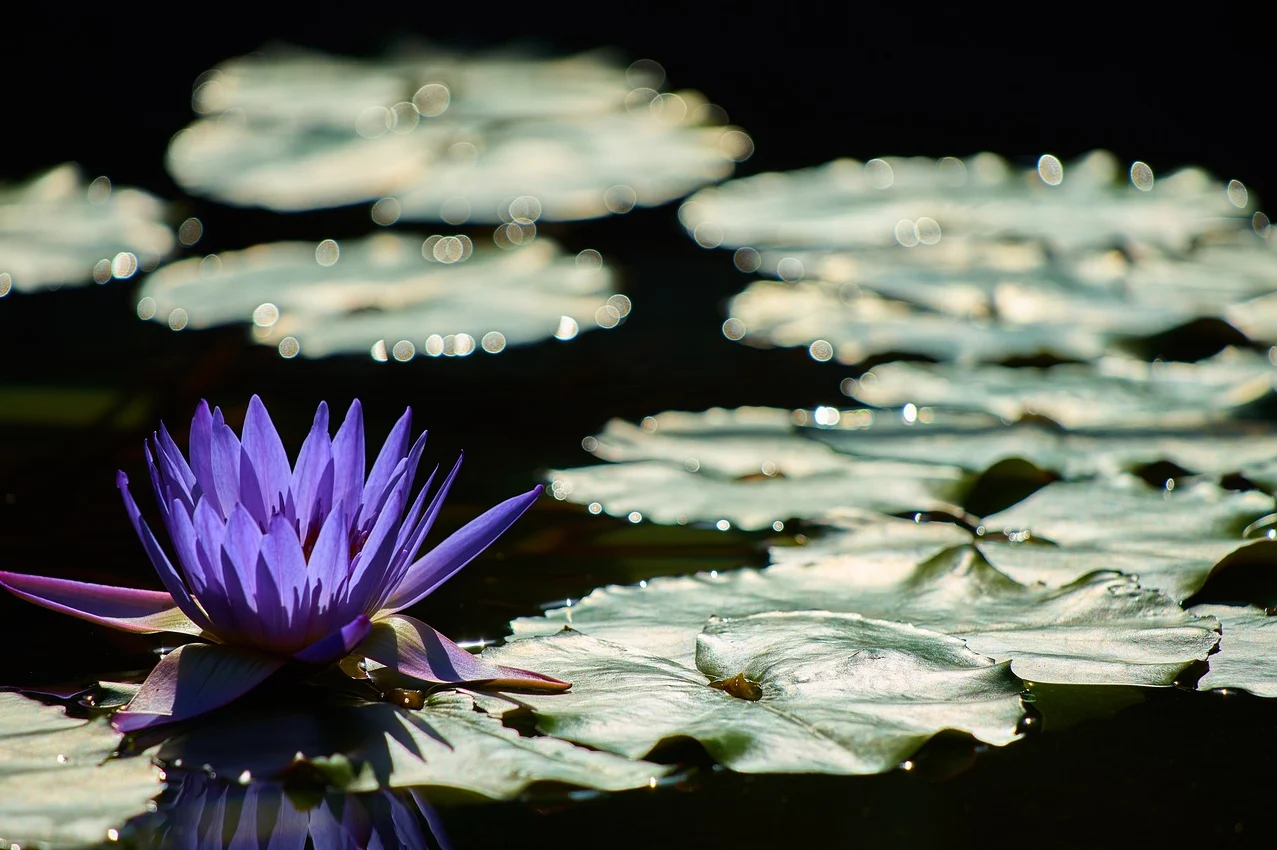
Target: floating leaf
{"points": [[448, 745], [818, 692], [1101, 629], [748, 467], [59, 785], [56, 229], [370, 294], [449, 137], [1247, 656], [1115, 392], [1170, 539]]}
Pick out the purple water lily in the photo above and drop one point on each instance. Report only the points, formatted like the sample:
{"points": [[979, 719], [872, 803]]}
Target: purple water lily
{"points": [[276, 564]]}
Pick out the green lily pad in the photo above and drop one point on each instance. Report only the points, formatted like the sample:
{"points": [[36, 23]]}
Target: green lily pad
{"points": [[1247, 657], [804, 692], [59, 785], [381, 295], [1171, 540], [57, 230], [448, 745], [1100, 629], [1113, 393]]}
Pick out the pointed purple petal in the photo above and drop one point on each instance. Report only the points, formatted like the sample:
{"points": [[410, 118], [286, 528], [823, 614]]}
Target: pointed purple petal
{"points": [[226, 451], [442, 562], [392, 452], [348, 460], [194, 679], [124, 608], [411, 648], [329, 561], [316, 455], [368, 574], [283, 555], [266, 451], [238, 561], [202, 455], [169, 576], [176, 476], [404, 557], [250, 490], [338, 644]]}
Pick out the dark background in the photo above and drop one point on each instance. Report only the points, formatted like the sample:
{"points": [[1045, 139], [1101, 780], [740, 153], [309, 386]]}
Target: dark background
{"points": [[107, 86]]}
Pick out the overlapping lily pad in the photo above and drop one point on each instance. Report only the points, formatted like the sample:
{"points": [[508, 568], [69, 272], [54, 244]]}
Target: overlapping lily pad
{"points": [[1100, 629], [1247, 657], [748, 467], [448, 745], [374, 293], [450, 137], [1113, 393], [57, 229], [852, 696], [1170, 540], [59, 785]]}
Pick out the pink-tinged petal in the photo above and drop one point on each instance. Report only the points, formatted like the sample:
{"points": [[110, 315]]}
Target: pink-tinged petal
{"points": [[348, 460], [194, 679], [338, 644], [315, 457], [442, 562], [411, 648], [226, 451], [124, 608], [392, 452], [265, 449], [284, 558], [202, 455], [168, 576]]}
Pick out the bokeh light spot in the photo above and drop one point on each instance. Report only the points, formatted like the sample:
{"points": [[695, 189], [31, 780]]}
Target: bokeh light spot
{"points": [[1141, 176], [734, 329], [289, 347], [190, 232], [493, 342], [327, 252], [1050, 169]]}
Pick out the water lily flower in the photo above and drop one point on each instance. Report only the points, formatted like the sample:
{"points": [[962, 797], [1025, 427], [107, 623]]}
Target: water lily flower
{"points": [[277, 564]]}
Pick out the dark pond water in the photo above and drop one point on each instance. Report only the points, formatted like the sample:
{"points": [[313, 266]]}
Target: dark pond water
{"points": [[82, 382]]}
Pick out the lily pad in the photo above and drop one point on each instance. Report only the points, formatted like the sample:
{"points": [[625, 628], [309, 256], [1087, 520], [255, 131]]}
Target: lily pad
{"points": [[448, 745], [1170, 540], [56, 230], [1100, 629], [59, 785], [778, 692], [380, 294], [748, 467], [443, 136], [1114, 392], [854, 205], [1247, 657]]}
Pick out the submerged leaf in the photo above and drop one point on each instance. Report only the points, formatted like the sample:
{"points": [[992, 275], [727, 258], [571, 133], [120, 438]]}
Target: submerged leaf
{"points": [[59, 785], [835, 693]]}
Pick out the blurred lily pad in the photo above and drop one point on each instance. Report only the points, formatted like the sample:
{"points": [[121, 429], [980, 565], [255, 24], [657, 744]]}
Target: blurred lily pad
{"points": [[59, 785], [1170, 540], [384, 295], [57, 230], [1085, 204], [1100, 629], [802, 692], [448, 745], [1112, 393], [1247, 657], [748, 467], [445, 136]]}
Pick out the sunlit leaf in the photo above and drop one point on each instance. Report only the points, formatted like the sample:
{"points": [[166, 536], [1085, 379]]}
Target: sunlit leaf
{"points": [[1170, 540], [1100, 629], [1247, 656], [369, 295], [447, 745], [1114, 392], [450, 137], [56, 229], [59, 785], [777, 692], [749, 467]]}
